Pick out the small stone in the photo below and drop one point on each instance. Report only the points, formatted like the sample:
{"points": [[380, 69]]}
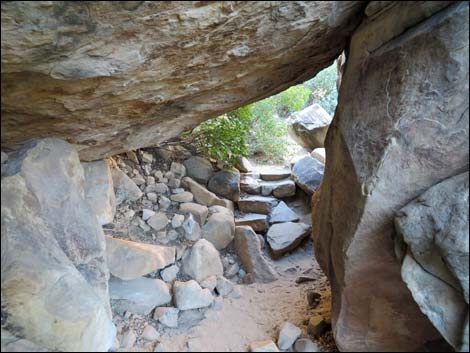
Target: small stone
{"points": [[232, 270], [224, 287], [158, 175], [177, 220], [146, 157], [150, 334], [132, 156], [164, 180], [124, 187], [159, 188], [306, 345], [174, 183], [164, 203], [209, 283], [129, 214], [282, 213], [178, 169], [146, 214], [169, 274], [128, 339], [168, 316], [152, 196], [182, 197], [244, 165], [256, 221], [172, 234], [263, 346], [150, 180], [317, 326], [189, 295], [288, 335], [313, 299], [178, 191], [192, 229], [138, 180], [158, 221]]}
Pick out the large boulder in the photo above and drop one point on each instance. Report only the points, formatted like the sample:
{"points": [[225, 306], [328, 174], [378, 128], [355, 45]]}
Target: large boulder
{"points": [[401, 126], [248, 248], [99, 191], [130, 260], [54, 272], [199, 169], [219, 229], [308, 173], [93, 63], [309, 126], [226, 183], [203, 261], [204, 196], [433, 244]]}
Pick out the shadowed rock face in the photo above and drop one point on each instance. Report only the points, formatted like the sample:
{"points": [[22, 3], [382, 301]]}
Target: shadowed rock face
{"points": [[114, 76], [401, 126]]}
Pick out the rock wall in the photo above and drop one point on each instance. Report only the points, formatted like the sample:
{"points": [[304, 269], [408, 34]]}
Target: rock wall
{"points": [[111, 77], [401, 126]]}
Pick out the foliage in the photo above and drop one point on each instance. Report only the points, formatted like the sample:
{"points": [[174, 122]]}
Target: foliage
{"points": [[323, 88], [260, 128]]}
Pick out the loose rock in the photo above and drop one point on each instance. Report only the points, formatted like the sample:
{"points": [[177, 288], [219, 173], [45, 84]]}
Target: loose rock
{"points": [[308, 174], [158, 221], [282, 213], [199, 169], [169, 274], [182, 197], [124, 187], [189, 295], [150, 334], [256, 221], [199, 212], [284, 237], [263, 346], [168, 316], [203, 261], [288, 335], [257, 204], [226, 184], [306, 345], [192, 229], [219, 230]]}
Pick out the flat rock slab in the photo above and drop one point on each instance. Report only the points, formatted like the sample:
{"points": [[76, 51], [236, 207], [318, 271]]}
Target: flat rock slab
{"points": [[308, 174], [99, 191], [257, 204], [278, 188], [139, 296], [255, 220], [282, 213], [130, 260], [284, 237], [274, 173], [248, 248]]}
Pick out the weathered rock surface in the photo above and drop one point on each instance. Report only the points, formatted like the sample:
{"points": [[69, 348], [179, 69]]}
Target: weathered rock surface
{"points": [[226, 183], [401, 126], [124, 187], [309, 126], [250, 185], [130, 260], [99, 191], [167, 316], [139, 296], [244, 165], [189, 295], [54, 273], [274, 173], [204, 196], [248, 248], [219, 230], [93, 61], [192, 229], [434, 228], [282, 213], [11, 343], [319, 154], [280, 188], [203, 261], [284, 237], [158, 221], [199, 169], [199, 212], [257, 204], [258, 222], [308, 173], [263, 346], [288, 335], [182, 197]]}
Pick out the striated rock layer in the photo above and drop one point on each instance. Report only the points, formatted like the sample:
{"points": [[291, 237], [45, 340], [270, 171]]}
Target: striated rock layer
{"points": [[401, 126], [114, 76]]}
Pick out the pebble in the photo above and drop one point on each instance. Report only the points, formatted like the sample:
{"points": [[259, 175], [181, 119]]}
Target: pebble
{"points": [[150, 334], [169, 274], [152, 196], [177, 220], [146, 214]]}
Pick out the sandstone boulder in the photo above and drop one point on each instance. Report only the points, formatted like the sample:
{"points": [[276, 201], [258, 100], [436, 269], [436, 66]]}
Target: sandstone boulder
{"points": [[139, 296], [284, 237], [130, 260], [54, 273], [92, 63], [309, 126], [199, 169], [226, 183], [99, 191], [203, 261], [248, 248], [308, 173], [219, 230], [401, 126], [434, 229], [124, 187]]}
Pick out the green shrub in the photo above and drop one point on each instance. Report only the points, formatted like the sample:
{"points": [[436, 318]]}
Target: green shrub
{"points": [[323, 88]]}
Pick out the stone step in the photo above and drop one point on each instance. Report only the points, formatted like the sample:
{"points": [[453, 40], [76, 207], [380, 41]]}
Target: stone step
{"points": [[255, 220], [284, 237], [282, 213], [257, 204], [274, 173]]}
